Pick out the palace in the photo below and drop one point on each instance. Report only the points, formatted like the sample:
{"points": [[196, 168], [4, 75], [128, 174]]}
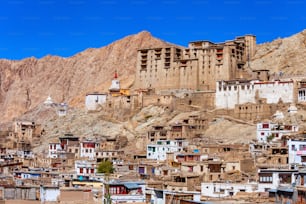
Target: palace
{"points": [[197, 67]]}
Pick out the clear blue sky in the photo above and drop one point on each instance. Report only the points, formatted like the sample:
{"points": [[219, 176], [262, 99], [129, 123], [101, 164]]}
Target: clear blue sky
{"points": [[66, 27]]}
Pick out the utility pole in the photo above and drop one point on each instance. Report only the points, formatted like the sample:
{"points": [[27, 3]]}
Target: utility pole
{"points": [[107, 196]]}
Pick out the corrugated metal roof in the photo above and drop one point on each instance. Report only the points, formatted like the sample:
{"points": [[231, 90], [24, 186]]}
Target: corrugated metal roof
{"points": [[131, 185]]}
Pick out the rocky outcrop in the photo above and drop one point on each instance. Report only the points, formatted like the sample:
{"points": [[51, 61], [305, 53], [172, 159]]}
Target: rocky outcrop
{"points": [[282, 55], [26, 83]]}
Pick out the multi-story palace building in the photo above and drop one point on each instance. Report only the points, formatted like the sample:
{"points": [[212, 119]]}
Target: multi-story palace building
{"points": [[197, 67]]}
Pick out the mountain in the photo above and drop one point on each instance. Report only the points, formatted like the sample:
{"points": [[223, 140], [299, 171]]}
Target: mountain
{"points": [[285, 55], [26, 83]]}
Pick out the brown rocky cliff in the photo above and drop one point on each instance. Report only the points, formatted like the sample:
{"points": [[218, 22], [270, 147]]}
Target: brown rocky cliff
{"points": [[285, 55], [26, 83]]}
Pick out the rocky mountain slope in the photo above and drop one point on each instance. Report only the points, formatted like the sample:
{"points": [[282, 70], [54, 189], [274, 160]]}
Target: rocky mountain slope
{"points": [[26, 83], [285, 55], [130, 133]]}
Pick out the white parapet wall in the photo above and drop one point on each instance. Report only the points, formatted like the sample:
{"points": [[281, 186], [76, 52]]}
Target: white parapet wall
{"points": [[231, 93]]}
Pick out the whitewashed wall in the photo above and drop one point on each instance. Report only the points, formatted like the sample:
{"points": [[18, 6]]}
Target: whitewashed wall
{"points": [[92, 101], [229, 95]]}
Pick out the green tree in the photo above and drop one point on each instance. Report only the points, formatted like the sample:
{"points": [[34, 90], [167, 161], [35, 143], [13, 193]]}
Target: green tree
{"points": [[105, 167], [270, 138]]}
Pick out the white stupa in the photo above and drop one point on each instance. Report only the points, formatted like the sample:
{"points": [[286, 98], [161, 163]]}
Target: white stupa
{"points": [[48, 101], [292, 109], [115, 87]]}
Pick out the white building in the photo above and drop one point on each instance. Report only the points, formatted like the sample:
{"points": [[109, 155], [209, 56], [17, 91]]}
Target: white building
{"points": [[88, 149], [54, 149], [231, 93], [302, 91], [268, 179], [62, 109], [302, 95], [25, 154], [274, 178], [297, 152], [49, 194], [94, 100], [159, 150], [85, 168], [273, 130], [226, 189]]}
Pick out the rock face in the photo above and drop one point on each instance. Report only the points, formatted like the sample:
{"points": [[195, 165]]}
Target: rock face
{"points": [[26, 83], [282, 55]]}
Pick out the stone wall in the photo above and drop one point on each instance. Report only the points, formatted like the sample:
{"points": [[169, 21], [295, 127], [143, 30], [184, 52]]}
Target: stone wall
{"points": [[21, 193], [247, 165], [256, 111]]}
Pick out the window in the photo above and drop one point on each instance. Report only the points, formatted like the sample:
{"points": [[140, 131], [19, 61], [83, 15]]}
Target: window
{"points": [[285, 178], [265, 178], [81, 170], [112, 190], [302, 147], [293, 148]]}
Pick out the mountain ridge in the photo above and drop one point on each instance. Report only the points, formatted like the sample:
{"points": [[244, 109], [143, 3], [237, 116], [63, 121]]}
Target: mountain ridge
{"points": [[286, 55], [26, 83]]}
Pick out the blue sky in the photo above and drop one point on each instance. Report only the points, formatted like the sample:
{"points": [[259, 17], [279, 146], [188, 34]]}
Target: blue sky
{"points": [[66, 27]]}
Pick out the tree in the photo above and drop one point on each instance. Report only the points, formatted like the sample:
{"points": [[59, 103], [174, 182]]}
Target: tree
{"points": [[270, 138], [105, 167]]}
